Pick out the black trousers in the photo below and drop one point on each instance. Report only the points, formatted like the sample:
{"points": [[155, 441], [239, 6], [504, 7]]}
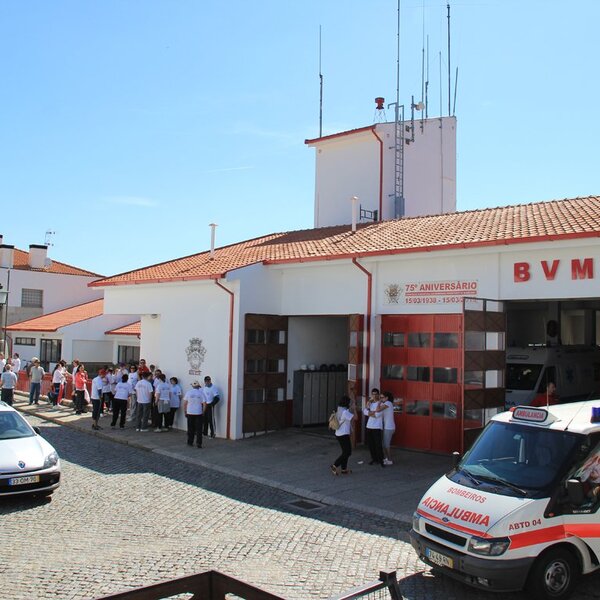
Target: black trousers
{"points": [[79, 401], [194, 430], [119, 407], [7, 395], [170, 418], [346, 447], [375, 442], [209, 420]]}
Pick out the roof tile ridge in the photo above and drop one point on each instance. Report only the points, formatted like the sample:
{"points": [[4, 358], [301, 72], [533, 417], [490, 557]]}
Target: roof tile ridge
{"points": [[63, 264], [55, 312]]}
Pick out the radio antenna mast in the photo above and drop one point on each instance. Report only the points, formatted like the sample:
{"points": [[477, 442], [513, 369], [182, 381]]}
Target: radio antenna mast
{"points": [[449, 76], [455, 86], [427, 83], [320, 89]]}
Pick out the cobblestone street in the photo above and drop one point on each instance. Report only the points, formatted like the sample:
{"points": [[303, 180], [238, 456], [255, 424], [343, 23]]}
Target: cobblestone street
{"points": [[125, 518]]}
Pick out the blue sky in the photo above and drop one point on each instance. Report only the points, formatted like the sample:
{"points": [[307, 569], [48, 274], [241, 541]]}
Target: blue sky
{"points": [[128, 126]]}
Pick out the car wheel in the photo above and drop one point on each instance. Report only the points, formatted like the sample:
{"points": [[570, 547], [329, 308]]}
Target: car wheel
{"points": [[554, 575]]}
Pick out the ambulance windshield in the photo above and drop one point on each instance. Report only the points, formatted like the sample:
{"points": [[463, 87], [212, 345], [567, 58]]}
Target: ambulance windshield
{"points": [[517, 460]]}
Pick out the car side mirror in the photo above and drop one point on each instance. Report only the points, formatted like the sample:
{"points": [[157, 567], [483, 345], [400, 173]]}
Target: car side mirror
{"points": [[37, 430], [575, 492]]}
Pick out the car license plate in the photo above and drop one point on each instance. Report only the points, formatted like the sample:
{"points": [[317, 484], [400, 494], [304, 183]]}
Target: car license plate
{"points": [[24, 480], [439, 559]]}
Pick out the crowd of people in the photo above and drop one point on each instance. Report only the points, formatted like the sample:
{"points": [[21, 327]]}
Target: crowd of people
{"points": [[380, 428], [138, 393]]}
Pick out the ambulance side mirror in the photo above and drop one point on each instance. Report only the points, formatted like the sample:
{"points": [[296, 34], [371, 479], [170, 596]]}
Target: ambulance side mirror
{"points": [[575, 492], [456, 458]]}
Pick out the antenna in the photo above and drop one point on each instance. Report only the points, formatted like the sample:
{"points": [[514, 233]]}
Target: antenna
{"points": [[320, 89], [441, 111], [449, 83], [423, 69], [48, 237], [455, 86], [427, 83]]}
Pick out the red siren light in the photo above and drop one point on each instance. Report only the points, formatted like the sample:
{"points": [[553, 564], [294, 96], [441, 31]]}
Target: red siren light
{"points": [[380, 102]]}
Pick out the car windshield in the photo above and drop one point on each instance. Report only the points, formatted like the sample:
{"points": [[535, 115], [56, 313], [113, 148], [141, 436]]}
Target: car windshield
{"points": [[13, 425], [522, 377], [517, 460]]}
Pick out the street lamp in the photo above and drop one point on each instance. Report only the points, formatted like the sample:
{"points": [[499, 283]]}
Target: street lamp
{"points": [[4, 305]]}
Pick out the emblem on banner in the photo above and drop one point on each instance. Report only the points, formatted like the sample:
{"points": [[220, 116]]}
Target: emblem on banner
{"points": [[393, 292], [195, 355]]}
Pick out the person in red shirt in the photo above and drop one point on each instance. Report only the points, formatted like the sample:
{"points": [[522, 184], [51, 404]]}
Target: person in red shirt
{"points": [[547, 398]]}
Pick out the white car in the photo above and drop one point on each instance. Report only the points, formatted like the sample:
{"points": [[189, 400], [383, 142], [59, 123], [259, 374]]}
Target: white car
{"points": [[28, 463]]}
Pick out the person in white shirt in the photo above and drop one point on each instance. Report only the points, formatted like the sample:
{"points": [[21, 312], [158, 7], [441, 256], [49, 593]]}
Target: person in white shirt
{"points": [[123, 390], [106, 391], [16, 363], [374, 427], [174, 400], [2, 362], [346, 413], [194, 403], [389, 426], [212, 397], [163, 402], [133, 379], [58, 380], [35, 374], [96, 398], [143, 391], [9, 381]]}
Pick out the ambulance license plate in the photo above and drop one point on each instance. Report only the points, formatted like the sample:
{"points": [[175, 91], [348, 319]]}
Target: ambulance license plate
{"points": [[24, 480], [439, 559]]}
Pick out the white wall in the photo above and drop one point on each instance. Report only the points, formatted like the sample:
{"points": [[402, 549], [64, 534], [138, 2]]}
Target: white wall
{"points": [[60, 291], [186, 310], [348, 165]]}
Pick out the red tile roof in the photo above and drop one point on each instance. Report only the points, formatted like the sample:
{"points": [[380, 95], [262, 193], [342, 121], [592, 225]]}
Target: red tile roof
{"points": [[526, 223], [61, 318], [131, 329], [21, 262]]}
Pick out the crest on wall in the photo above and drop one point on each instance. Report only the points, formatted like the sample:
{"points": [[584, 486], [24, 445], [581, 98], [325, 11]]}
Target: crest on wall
{"points": [[393, 292], [195, 355]]}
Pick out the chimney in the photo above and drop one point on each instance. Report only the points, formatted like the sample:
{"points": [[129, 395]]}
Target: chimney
{"points": [[354, 213], [37, 256], [213, 227], [7, 256]]}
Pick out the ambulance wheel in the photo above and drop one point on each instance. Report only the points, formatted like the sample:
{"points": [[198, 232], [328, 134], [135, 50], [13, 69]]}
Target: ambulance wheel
{"points": [[554, 575]]}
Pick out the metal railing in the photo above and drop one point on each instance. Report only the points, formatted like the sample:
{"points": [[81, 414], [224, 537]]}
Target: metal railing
{"points": [[213, 585]]}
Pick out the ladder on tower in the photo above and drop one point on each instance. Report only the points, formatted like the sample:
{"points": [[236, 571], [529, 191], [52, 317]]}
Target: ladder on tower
{"points": [[399, 163]]}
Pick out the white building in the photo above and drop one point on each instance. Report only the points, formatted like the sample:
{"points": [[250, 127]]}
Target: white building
{"points": [[390, 301], [83, 332], [38, 285]]}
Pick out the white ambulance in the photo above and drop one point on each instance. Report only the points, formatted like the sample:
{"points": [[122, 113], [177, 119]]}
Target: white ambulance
{"points": [[575, 370], [521, 508]]}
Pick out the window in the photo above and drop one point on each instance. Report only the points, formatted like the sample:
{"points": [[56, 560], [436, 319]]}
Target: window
{"points": [[23, 341], [255, 365], [276, 336], [50, 351], [128, 354], [444, 410], [444, 375], [256, 336], [32, 298], [393, 339], [417, 373], [445, 340], [419, 340], [417, 407], [254, 396], [393, 372]]}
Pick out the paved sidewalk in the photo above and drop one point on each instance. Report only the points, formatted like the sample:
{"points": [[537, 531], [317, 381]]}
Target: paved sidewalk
{"points": [[292, 460]]}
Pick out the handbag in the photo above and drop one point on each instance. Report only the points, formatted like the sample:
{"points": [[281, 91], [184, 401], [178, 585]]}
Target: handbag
{"points": [[334, 424]]}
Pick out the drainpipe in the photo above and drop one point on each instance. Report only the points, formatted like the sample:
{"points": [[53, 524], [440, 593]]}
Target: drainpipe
{"points": [[230, 356], [380, 174], [367, 325]]}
